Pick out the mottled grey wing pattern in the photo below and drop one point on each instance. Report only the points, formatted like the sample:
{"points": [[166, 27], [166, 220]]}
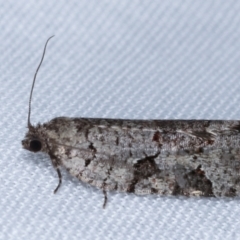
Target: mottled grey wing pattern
{"points": [[166, 157]]}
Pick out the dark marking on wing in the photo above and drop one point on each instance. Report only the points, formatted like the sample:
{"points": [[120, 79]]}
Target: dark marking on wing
{"points": [[231, 192], [210, 141], [87, 162], [154, 191], [92, 148], [186, 151], [187, 182], [143, 169], [197, 180], [204, 135], [156, 136], [200, 150], [236, 127]]}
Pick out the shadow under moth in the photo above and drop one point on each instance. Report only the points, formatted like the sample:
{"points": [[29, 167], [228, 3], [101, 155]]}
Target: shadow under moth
{"points": [[165, 157]]}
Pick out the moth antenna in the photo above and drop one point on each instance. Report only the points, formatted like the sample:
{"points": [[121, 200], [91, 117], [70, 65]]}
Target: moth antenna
{"points": [[34, 79]]}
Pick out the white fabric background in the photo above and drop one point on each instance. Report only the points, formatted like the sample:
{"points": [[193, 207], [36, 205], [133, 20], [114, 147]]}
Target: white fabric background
{"points": [[117, 59]]}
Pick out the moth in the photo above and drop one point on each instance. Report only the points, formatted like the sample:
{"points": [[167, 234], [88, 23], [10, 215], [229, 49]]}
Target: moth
{"points": [[165, 157]]}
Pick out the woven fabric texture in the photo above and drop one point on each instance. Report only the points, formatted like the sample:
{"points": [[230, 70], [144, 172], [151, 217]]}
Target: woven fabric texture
{"points": [[116, 59]]}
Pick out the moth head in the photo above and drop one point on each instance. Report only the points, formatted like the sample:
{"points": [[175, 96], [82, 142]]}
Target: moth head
{"points": [[33, 145], [33, 141]]}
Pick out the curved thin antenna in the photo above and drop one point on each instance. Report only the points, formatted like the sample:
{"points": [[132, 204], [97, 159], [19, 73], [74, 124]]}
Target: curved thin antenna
{"points": [[34, 79]]}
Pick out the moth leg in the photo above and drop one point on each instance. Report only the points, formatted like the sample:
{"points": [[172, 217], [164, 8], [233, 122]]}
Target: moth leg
{"points": [[59, 178], [105, 198]]}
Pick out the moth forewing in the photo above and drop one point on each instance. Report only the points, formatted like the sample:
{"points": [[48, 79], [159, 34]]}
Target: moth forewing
{"points": [[165, 157]]}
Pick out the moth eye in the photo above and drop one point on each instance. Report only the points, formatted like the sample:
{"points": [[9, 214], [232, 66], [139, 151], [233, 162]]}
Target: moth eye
{"points": [[35, 145]]}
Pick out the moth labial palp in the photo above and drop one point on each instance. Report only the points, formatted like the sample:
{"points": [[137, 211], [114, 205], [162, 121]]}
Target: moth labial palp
{"points": [[164, 157]]}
